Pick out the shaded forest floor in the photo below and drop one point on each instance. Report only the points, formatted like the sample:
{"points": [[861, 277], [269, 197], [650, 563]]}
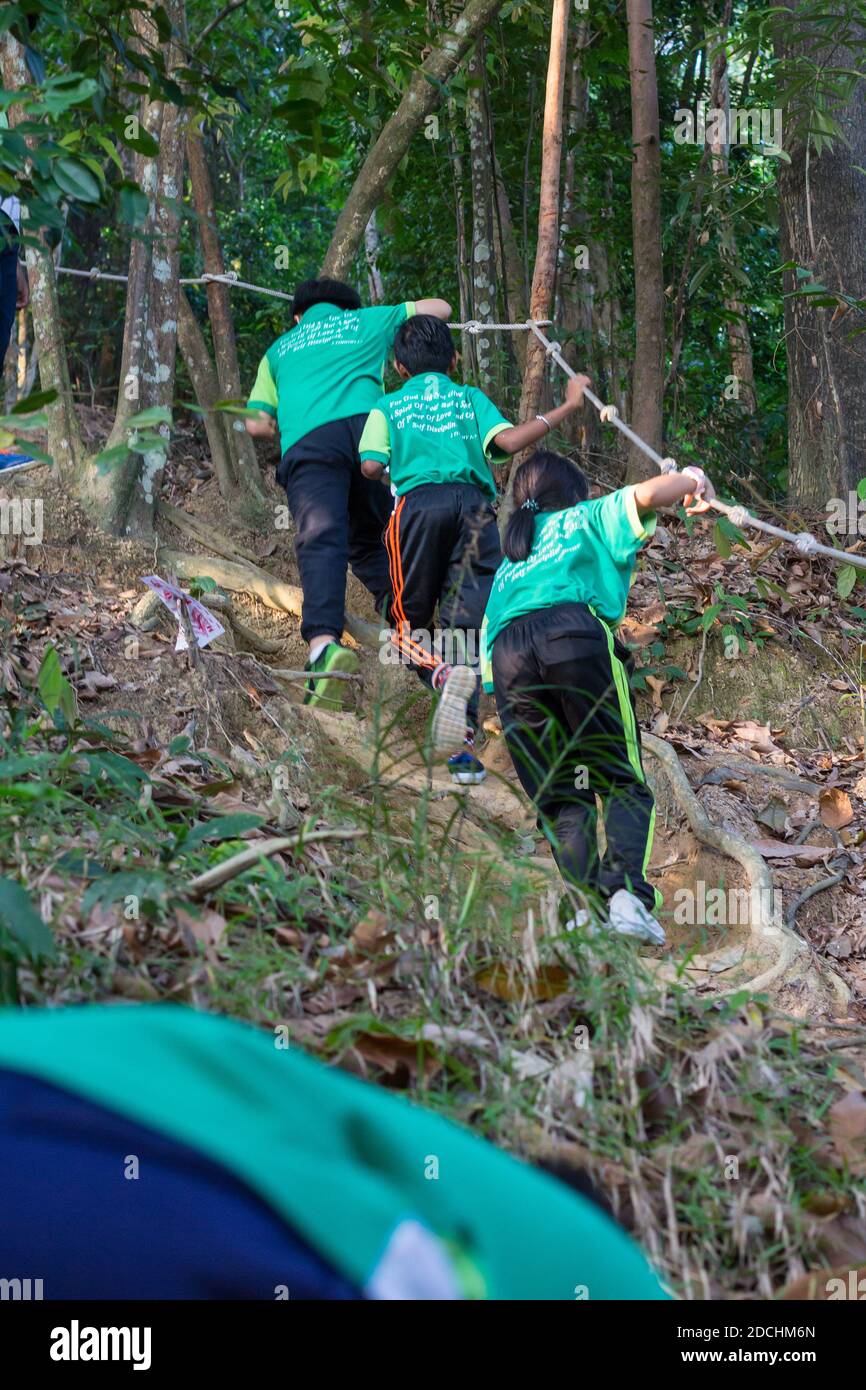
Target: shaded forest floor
{"points": [[417, 940]]}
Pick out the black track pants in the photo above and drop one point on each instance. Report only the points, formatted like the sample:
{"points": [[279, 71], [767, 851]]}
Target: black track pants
{"points": [[567, 712], [443, 547], [339, 518]]}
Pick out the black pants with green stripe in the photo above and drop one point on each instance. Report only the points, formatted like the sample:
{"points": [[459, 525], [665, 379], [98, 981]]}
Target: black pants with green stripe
{"points": [[562, 692]]}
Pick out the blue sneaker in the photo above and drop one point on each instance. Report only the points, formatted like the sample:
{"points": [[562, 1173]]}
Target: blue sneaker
{"points": [[466, 770]]}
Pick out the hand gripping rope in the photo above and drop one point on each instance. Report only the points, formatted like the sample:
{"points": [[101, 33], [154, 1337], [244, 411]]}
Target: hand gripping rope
{"points": [[806, 543]]}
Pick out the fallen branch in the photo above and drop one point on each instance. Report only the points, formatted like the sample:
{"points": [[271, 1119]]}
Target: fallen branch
{"points": [[250, 579], [261, 849], [305, 675]]}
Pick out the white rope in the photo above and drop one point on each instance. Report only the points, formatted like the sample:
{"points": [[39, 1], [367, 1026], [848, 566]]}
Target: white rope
{"points": [[474, 326], [739, 516], [806, 543]]}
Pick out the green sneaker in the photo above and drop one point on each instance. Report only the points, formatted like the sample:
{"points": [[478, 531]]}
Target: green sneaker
{"points": [[325, 694]]}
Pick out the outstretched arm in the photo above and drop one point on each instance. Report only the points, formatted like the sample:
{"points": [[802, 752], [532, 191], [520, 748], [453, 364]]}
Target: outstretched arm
{"points": [[439, 308], [518, 437], [261, 425], [691, 486]]}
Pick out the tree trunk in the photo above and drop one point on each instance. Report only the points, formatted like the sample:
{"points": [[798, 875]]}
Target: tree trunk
{"points": [[421, 98], [464, 288], [123, 497], [483, 254], [737, 326], [575, 276], [822, 204], [544, 273], [203, 377], [244, 464], [372, 243], [648, 371], [513, 280], [65, 443]]}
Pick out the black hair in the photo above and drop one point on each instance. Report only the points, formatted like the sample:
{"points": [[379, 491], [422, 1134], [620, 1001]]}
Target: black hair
{"points": [[312, 292], [551, 483], [424, 344]]}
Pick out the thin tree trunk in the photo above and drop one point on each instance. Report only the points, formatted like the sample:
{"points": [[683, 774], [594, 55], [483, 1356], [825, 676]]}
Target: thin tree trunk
{"points": [[739, 338], [822, 203], [483, 253], [544, 274], [65, 443], [514, 285], [372, 244], [242, 454], [648, 372], [575, 274], [422, 97], [123, 498], [464, 287], [203, 377]]}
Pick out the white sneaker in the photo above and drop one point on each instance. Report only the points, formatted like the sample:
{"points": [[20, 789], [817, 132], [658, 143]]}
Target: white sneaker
{"points": [[581, 919], [450, 718], [628, 917]]}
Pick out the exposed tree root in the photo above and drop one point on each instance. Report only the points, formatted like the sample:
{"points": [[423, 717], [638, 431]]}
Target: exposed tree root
{"points": [[788, 963], [206, 535], [242, 577]]}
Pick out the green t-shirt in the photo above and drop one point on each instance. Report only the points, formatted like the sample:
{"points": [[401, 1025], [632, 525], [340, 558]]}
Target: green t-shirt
{"points": [[584, 554], [434, 431], [327, 367], [370, 1181]]}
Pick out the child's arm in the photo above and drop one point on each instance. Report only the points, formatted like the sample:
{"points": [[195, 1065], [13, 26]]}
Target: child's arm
{"points": [[261, 425], [518, 437], [374, 446], [691, 486], [372, 468], [439, 308]]}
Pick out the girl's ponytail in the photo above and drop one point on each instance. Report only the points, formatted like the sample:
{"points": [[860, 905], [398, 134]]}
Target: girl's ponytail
{"points": [[520, 531], [546, 482]]}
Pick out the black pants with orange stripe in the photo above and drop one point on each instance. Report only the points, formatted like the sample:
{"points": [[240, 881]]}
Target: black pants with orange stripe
{"points": [[443, 549]]}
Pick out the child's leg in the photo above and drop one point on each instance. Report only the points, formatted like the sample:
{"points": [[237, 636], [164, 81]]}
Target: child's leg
{"points": [[599, 707], [370, 504], [629, 806], [474, 560], [545, 753], [318, 494], [414, 547]]}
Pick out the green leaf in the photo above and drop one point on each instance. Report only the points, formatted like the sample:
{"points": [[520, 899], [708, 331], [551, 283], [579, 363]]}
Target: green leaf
{"points": [[133, 204], [861, 489], [846, 578], [155, 415], [723, 544], [54, 689], [146, 887], [35, 401], [709, 615], [74, 178], [21, 920], [221, 828], [699, 277]]}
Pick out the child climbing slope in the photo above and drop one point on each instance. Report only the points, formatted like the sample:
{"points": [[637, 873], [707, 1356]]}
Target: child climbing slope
{"points": [[439, 439], [559, 673]]}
